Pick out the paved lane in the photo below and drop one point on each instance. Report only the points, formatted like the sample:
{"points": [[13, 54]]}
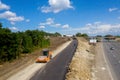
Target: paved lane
{"points": [[57, 67], [113, 58]]}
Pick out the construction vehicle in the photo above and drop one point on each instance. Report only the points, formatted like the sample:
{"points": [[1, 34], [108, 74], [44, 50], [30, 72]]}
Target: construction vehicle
{"points": [[92, 41], [45, 57]]}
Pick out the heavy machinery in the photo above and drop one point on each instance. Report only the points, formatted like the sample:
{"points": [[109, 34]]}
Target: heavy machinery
{"points": [[93, 41], [45, 57]]}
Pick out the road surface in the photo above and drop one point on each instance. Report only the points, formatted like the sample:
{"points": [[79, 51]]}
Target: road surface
{"points": [[57, 67], [101, 68], [29, 71], [113, 58]]}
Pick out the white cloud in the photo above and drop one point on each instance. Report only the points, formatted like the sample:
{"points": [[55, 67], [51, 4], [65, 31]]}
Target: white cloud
{"points": [[15, 18], [112, 9], [99, 29], [57, 25], [27, 20], [65, 26], [13, 28], [11, 16], [41, 27], [104, 28], [13, 23], [56, 6], [7, 14], [51, 23], [4, 6], [89, 24]]}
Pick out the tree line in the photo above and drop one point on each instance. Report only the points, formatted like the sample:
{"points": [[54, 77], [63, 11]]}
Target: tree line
{"points": [[81, 35], [12, 44]]}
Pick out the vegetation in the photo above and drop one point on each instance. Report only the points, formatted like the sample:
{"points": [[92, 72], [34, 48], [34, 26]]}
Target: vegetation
{"points": [[108, 35], [118, 36], [99, 36], [12, 44], [57, 34], [81, 35]]}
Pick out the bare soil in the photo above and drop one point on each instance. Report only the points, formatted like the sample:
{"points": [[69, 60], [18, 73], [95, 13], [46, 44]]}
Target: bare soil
{"points": [[117, 39], [9, 68], [81, 64]]}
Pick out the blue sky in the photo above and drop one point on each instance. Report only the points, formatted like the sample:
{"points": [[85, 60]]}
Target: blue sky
{"points": [[93, 17]]}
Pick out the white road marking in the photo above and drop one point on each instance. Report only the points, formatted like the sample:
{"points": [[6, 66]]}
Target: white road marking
{"points": [[107, 65], [103, 68]]}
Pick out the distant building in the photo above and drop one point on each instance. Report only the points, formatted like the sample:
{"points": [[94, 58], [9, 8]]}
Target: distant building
{"points": [[69, 35], [110, 38]]}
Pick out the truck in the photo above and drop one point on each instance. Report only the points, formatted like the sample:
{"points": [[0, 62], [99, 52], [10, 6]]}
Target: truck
{"points": [[45, 57], [92, 41]]}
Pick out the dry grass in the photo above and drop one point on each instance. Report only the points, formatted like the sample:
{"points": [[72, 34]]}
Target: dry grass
{"points": [[80, 67]]}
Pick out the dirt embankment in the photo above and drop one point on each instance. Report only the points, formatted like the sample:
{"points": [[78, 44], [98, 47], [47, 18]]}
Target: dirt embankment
{"points": [[57, 41], [117, 39], [81, 64], [9, 68]]}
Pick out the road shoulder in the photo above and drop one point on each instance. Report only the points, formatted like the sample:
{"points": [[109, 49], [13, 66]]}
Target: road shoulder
{"points": [[100, 69]]}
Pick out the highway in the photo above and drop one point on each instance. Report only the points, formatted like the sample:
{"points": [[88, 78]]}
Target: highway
{"points": [[113, 58], [57, 67]]}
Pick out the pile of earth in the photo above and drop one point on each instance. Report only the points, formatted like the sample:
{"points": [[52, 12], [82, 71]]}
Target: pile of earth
{"points": [[81, 64]]}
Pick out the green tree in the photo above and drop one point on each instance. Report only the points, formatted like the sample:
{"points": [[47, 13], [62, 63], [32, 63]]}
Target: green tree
{"points": [[0, 25], [81, 35], [12, 44], [84, 35], [27, 43], [78, 34], [57, 34]]}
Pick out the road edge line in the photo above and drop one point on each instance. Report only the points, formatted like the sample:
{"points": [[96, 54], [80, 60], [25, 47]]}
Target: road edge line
{"points": [[107, 63]]}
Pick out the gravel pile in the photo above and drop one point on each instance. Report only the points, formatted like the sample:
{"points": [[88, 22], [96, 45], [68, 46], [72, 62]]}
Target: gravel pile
{"points": [[80, 67]]}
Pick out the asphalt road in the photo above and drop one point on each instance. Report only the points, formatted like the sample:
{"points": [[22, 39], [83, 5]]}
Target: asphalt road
{"points": [[57, 67], [113, 58]]}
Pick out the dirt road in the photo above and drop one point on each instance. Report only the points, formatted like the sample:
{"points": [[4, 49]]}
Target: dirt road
{"points": [[7, 69], [57, 67], [27, 73]]}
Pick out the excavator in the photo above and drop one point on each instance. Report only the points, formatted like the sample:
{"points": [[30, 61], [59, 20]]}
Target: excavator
{"points": [[45, 57]]}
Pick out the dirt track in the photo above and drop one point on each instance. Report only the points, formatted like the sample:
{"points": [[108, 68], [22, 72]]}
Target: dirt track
{"points": [[28, 72], [8, 69]]}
